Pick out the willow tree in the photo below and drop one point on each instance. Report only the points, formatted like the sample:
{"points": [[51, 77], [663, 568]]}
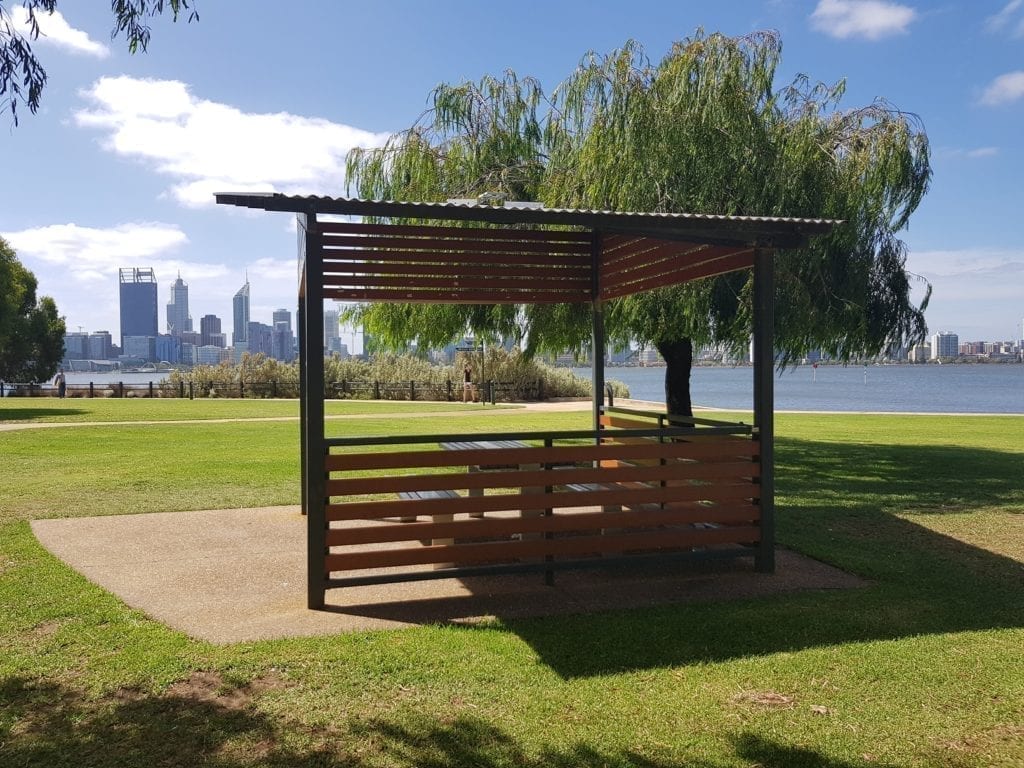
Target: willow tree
{"points": [[703, 131]]}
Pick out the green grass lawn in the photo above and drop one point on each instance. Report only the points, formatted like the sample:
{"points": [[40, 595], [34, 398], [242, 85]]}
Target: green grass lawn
{"points": [[925, 666], [28, 410]]}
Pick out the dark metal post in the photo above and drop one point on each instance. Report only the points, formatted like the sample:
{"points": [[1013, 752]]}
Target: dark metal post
{"points": [[764, 402], [412, 389], [315, 460], [92, 392], [241, 389], [151, 389], [120, 386], [191, 392], [597, 336]]}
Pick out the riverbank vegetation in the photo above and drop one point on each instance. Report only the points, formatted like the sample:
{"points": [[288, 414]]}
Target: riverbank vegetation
{"points": [[921, 666]]}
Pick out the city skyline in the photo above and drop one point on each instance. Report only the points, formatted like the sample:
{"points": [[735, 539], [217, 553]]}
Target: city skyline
{"points": [[121, 162]]}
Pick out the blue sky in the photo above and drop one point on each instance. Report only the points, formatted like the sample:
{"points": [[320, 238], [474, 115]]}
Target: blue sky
{"points": [[119, 166]]}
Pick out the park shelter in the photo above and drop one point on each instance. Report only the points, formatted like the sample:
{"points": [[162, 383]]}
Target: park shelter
{"points": [[637, 485]]}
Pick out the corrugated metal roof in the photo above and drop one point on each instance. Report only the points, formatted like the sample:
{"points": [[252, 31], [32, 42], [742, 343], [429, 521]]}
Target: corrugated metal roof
{"points": [[767, 231]]}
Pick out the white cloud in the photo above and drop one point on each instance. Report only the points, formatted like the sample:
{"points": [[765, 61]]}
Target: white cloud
{"points": [[1008, 18], [984, 274], [1004, 89], [55, 30], [977, 153], [870, 19], [206, 147], [86, 250], [982, 152]]}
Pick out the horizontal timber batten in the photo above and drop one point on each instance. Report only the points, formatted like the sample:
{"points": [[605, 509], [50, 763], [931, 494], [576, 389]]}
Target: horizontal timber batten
{"points": [[434, 245], [689, 274], [564, 261], [513, 550], [360, 267], [471, 233], [493, 527], [498, 281], [455, 297]]}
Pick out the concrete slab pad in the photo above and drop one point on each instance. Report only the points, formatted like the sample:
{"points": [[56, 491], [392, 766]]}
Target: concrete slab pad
{"points": [[239, 574]]}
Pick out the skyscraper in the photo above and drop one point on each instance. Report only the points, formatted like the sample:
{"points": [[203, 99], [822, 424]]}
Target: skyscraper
{"points": [[209, 326], [240, 307], [332, 333], [178, 319], [138, 302]]}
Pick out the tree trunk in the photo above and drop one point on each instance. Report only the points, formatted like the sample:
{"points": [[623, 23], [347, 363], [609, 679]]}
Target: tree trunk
{"points": [[678, 356]]}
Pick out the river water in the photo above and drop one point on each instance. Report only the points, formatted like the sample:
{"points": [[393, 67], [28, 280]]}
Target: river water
{"points": [[997, 388]]}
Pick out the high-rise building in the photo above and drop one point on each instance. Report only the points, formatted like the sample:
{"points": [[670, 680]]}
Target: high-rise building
{"points": [[240, 307], [100, 344], [209, 325], [138, 303], [945, 345], [76, 346], [178, 319], [332, 331], [260, 339], [282, 316]]}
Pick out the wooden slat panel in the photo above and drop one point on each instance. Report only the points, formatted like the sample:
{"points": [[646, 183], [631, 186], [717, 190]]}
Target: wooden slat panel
{"points": [[567, 261], [455, 281], [472, 233], [621, 422], [527, 478], [454, 245], [469, 270], [629, 249], [699, 447], [654, 251], [371, 510], [718, 267], [514, 550], [492, 527], [672, 262], [455, 297]]}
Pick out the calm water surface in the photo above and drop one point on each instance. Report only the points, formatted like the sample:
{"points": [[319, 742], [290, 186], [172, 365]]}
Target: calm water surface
{"points": [[918, 388]]}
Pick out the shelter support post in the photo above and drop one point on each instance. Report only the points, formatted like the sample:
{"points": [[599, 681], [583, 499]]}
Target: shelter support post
{"points": [[597, 342], [764, 402], [314, 445]]}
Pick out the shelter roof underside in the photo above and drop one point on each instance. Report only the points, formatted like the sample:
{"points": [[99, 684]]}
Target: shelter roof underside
{"points": [[476, 254]]}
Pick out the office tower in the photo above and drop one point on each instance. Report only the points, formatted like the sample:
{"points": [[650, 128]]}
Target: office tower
{"points": [[260, 339], [76, 346], [100, 344], [282, 316], [178, 319], [138, 303], [209, 326], [240, 308]]}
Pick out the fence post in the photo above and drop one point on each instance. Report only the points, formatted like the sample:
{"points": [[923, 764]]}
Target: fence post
{"points": [[376, 390], [181, 389], [273, 388], [412, 390], [151, 390], [448, 389], [91, 392], [540, 389], [609, 393], [241, 389], [1, 389], [191, 395], [120, 386]]}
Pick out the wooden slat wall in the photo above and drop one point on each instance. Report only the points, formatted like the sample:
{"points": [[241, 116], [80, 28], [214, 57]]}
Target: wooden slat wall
{"points": [[455, 265], [563, 502]]}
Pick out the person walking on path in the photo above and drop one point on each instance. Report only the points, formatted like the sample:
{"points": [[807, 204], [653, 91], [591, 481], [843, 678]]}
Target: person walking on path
{"points": [[62, 384], [467, 385]]}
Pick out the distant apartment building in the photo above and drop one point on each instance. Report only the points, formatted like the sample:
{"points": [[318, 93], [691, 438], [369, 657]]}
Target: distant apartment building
{"points": [[178, 319], [945, 345], [332, 331], [167, 348], [138, 303], [208, 354], [920, 353]]}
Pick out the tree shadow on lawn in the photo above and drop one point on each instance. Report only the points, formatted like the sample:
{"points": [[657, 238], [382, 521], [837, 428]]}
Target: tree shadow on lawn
{"points": [[30, 414], [838, 503], [46, 724]]}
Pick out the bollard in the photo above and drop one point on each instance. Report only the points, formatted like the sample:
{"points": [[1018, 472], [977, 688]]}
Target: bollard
{"points": [[191, 396], [611, 395], [412, 390], [376, 390], [91, 392], [151, 390], [120, 386], [181, 389]]}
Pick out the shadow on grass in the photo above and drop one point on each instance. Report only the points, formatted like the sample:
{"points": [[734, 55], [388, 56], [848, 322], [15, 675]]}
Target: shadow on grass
{"points": [[44, 724], [837, 503], [30, 414]]}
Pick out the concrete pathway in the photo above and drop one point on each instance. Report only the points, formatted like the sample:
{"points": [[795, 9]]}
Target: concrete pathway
{"points": [[238, 575]]}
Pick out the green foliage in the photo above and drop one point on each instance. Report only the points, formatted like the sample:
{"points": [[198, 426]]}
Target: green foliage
{"points": [[705, 131], [22, 77], [517, 374], [31, 331]]}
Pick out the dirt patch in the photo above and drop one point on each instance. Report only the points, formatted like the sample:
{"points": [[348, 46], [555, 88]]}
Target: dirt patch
{"points": [[210, 688]]}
